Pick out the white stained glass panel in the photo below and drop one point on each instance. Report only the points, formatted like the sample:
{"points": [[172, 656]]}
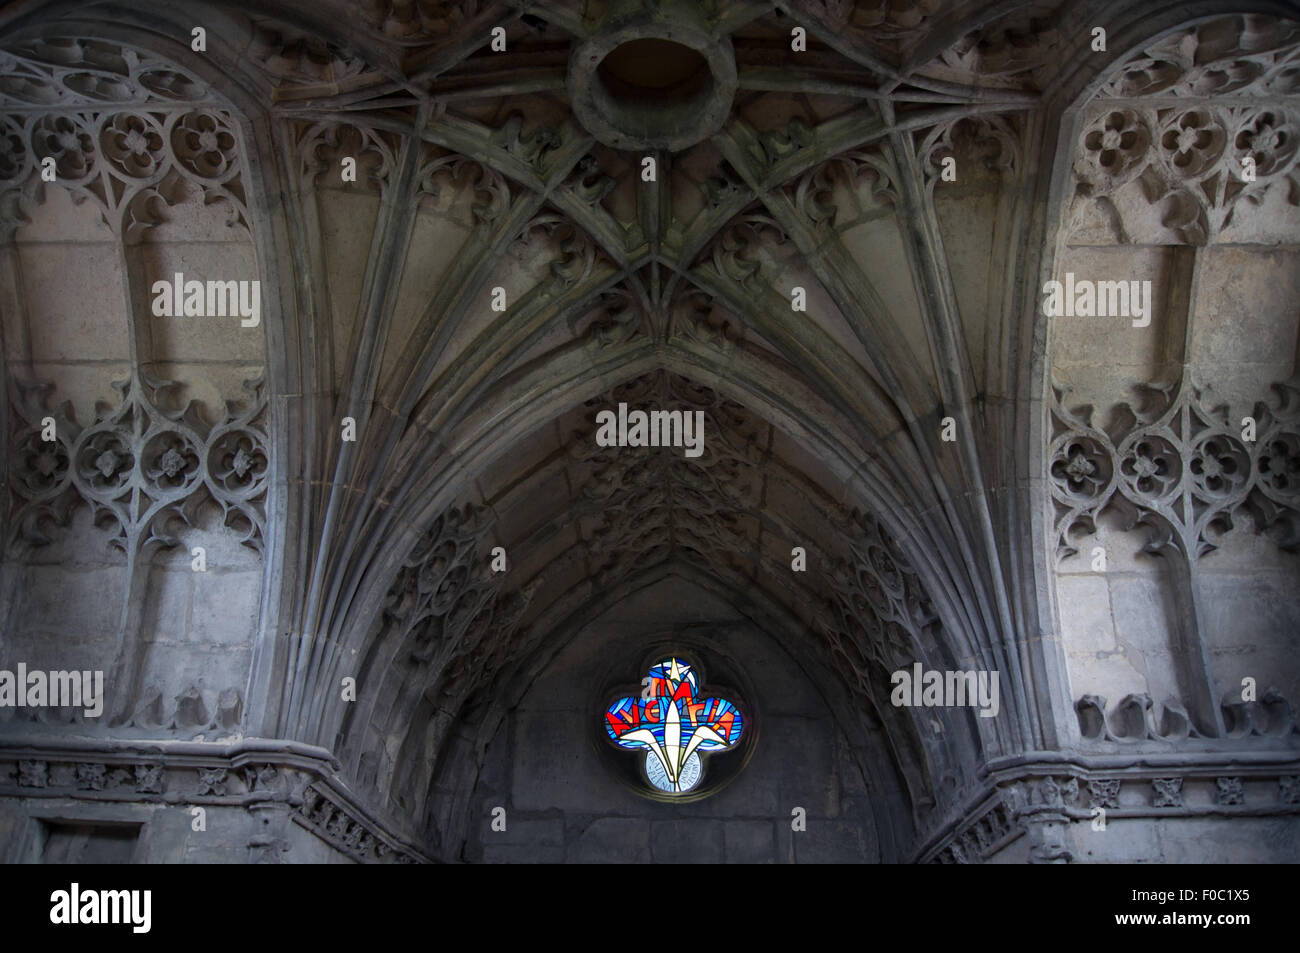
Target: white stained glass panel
{"points": [[659, 778]]}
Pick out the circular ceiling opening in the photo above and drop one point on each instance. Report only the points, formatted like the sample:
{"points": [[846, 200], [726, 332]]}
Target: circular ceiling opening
{"points": [[652, 85], [651, 69]]}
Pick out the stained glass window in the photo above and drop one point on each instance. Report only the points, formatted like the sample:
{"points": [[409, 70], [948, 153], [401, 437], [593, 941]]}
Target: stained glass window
{"points": [[673, 725]]}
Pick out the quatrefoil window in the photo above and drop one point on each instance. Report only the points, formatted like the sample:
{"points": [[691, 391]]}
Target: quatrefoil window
{"points": [[673, 725]]}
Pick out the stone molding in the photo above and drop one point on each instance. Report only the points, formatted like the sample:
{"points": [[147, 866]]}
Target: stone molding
{"points": [[252, 774], [1041, 798]]}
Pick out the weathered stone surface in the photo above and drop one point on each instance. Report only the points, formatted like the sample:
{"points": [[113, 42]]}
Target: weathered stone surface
{"points": [[612, 840], [361, 572]]}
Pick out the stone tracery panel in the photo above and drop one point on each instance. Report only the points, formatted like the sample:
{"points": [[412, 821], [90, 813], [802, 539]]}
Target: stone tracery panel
{"points": [[1181, 173], [1187, 131], [123, 162], [174, 453], [143, 464], [69, 71], [1182, 468], [1189, 147]]}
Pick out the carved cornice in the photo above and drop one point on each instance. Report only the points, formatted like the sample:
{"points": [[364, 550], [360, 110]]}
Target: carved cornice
{"points": [[1068, 790], [1137, 719], [245, 774]]}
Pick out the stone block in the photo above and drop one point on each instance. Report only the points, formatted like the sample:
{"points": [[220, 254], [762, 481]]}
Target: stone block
{"points": [[695, 841], [76, 305], [749, 842], [624, 840], [828, 842]]}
